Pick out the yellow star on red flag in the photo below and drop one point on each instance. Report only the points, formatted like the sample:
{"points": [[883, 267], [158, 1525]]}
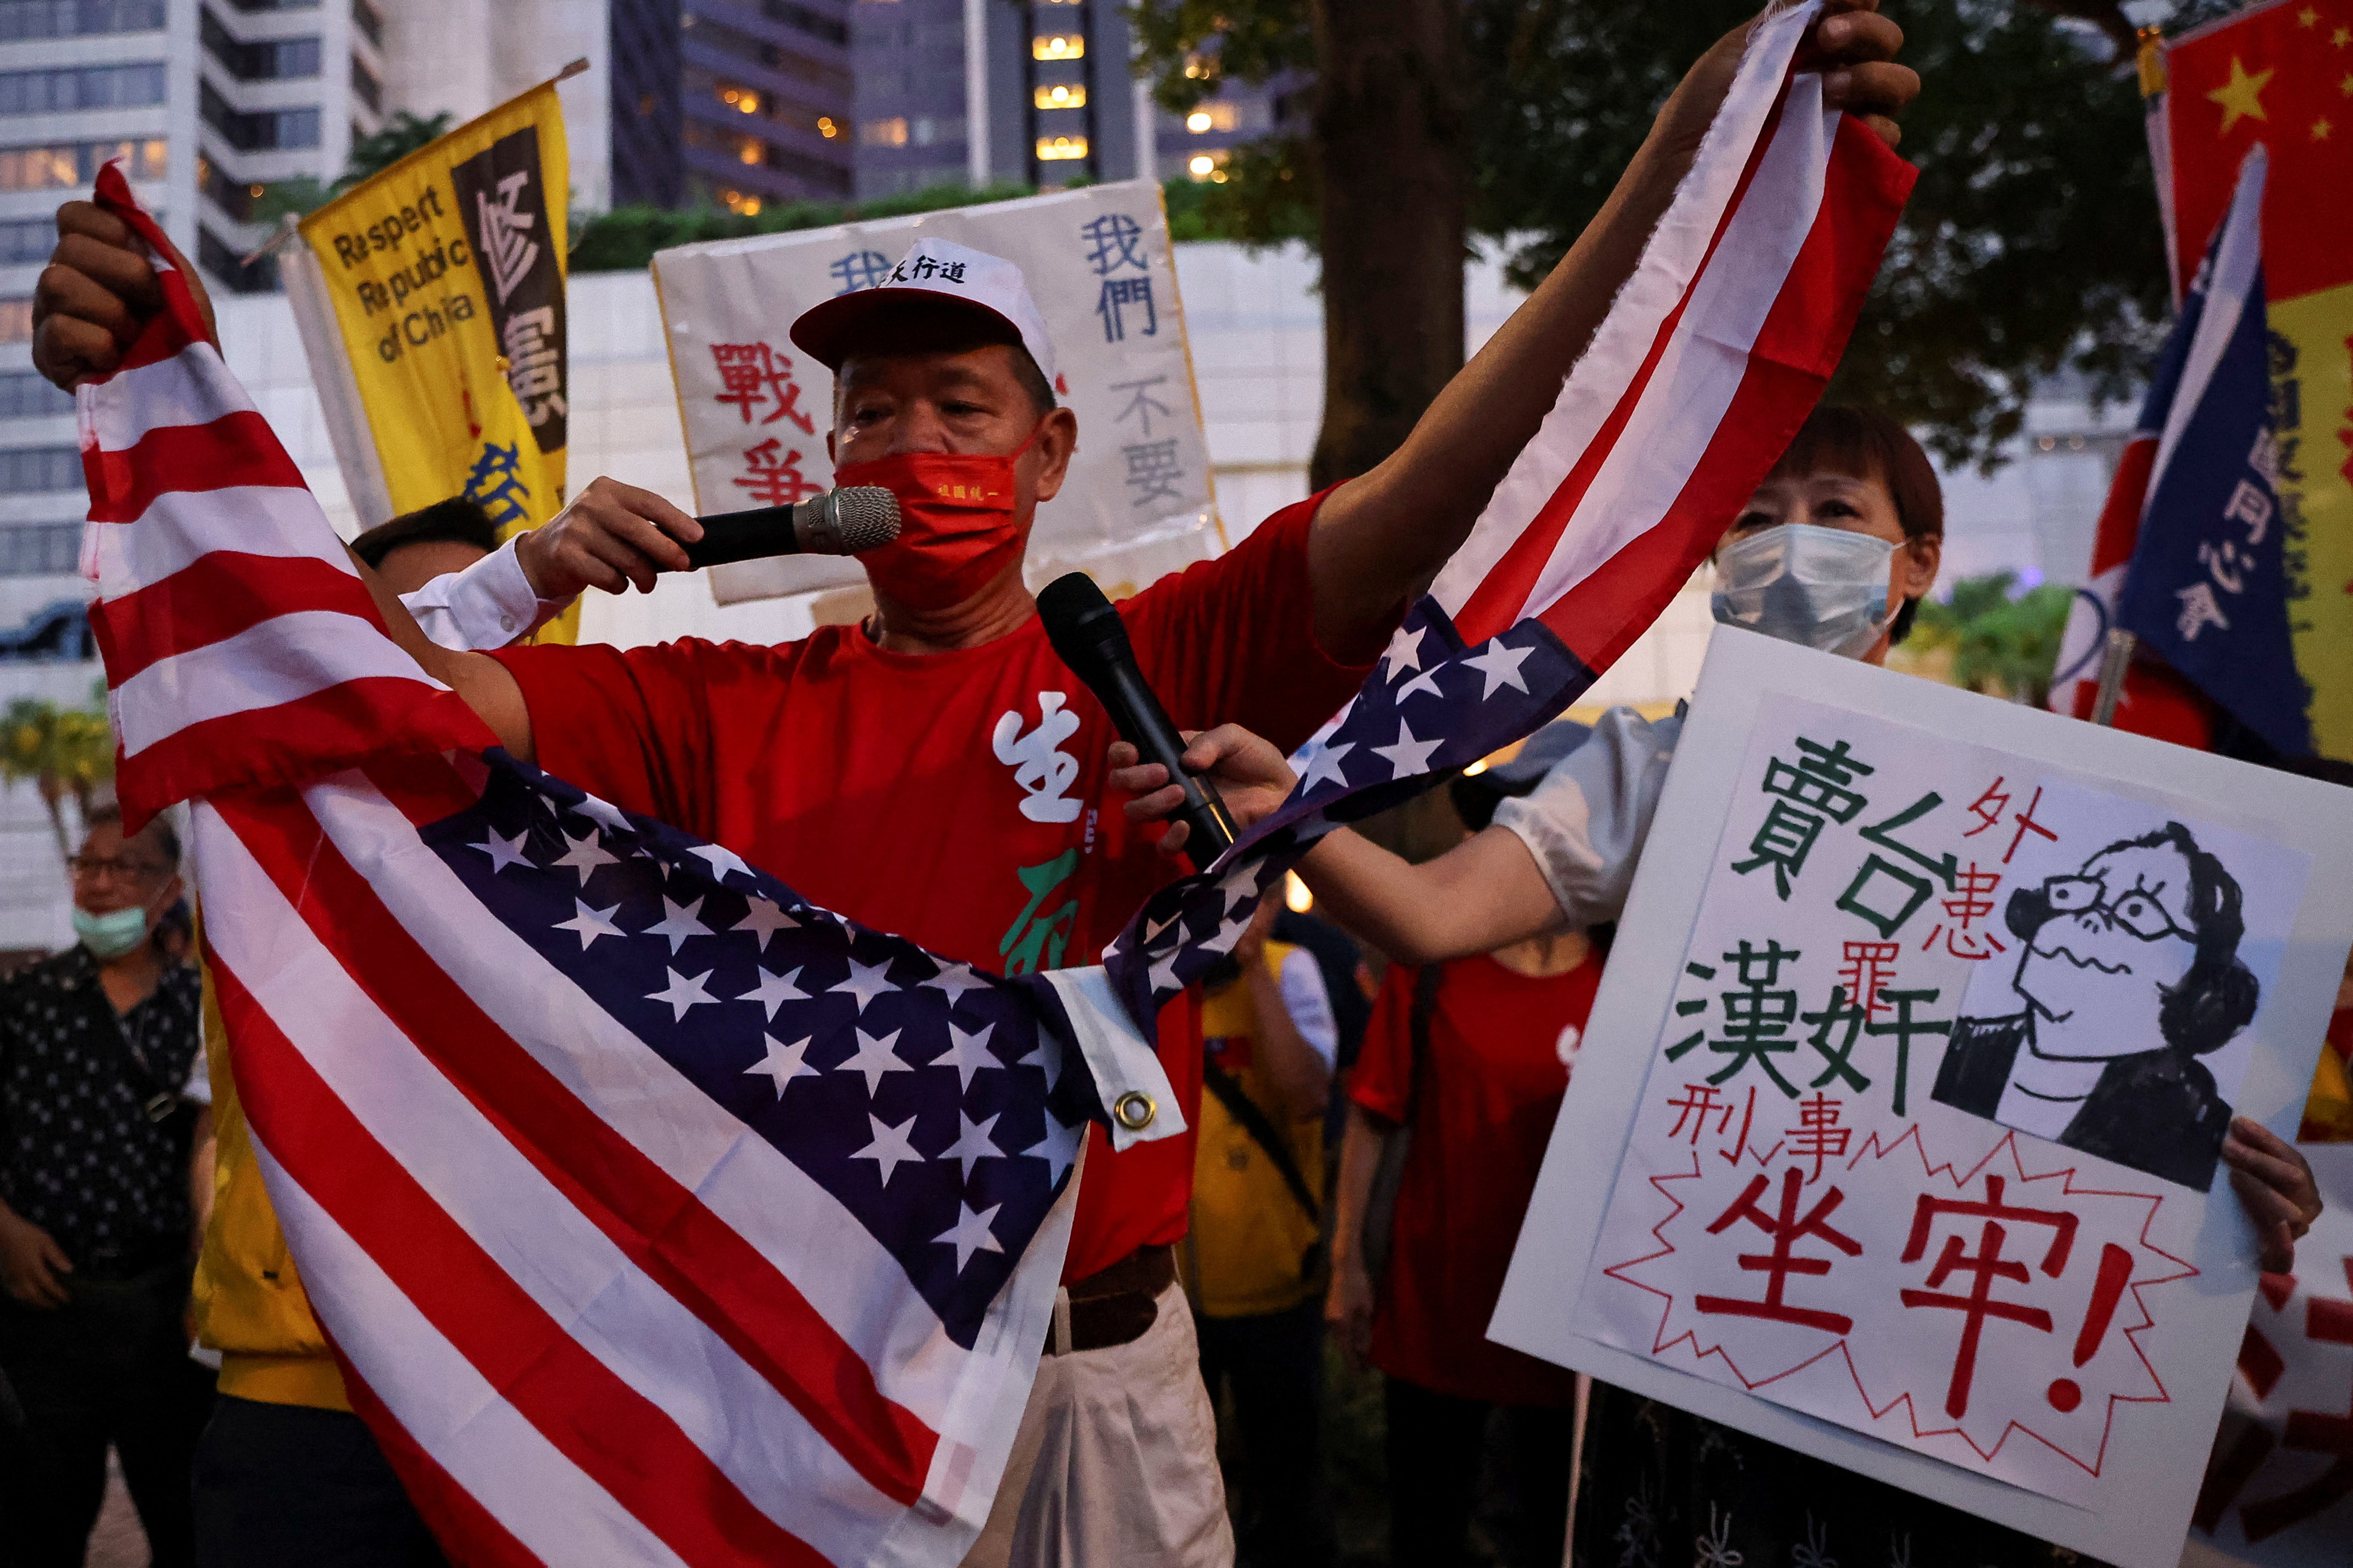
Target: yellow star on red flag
{"points": [[2240, 96]]}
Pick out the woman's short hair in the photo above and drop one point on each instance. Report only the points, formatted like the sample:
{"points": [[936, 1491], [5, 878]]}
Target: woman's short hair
{"points": [[1865, 444], [159, 832]]}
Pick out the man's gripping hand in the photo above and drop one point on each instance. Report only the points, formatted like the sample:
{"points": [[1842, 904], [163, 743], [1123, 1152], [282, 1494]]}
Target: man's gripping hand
{"points": [[1854, 46], [99, 289], [612, 536], [1251, 774]]}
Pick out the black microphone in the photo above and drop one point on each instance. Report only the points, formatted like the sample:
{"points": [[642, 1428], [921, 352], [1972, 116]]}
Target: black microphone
{"points": [[1092, 640], [839, 522]]}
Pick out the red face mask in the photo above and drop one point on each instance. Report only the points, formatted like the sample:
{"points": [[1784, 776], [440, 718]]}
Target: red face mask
{"points": [[957, 526]]}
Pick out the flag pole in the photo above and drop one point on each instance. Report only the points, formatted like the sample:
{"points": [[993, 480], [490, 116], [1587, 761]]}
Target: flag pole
{"points": [[289, 225], [2117, 659]]}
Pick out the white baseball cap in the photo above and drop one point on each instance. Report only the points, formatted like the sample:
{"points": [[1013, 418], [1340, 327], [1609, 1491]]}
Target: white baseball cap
{"points": [[935, 269]]}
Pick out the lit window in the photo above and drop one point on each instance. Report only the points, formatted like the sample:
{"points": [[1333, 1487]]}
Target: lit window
{"points": [[1057, 149], [885, 132], [1059, 46], [1212, 117], [737, 202], [749, 103], [748, 150], [827, 128], [1202, 166], [1060, 96]]}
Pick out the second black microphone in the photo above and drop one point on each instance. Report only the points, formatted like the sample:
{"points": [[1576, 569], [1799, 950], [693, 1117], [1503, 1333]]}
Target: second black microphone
{"points": [[846, 521], [1088, 633]]}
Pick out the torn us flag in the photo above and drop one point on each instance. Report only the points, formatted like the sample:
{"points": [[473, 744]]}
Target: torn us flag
{"points": [[654, 1215], [1708, 361]]}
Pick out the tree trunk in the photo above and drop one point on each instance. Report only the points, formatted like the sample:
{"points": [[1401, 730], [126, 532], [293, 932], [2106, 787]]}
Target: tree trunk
{"points": [[1390, 111], [53, 797]]}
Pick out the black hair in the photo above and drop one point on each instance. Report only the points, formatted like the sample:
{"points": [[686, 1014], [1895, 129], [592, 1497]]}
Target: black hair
{"points": [[453, 522], [159, 830], [1865, 444], [2216, 998]]}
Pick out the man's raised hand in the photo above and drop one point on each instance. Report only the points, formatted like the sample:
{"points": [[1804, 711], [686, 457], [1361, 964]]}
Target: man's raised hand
{"points": [[1853, 45], [611, 536], [99, 289], [1859, 71]]}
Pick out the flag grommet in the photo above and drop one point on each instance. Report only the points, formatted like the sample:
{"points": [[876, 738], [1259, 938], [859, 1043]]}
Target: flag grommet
{"points": [[1135, 1109]]}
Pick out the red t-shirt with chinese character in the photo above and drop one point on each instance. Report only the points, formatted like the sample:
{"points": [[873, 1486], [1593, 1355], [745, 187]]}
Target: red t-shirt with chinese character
{"points": [[956, 799], [1481, 1115]]}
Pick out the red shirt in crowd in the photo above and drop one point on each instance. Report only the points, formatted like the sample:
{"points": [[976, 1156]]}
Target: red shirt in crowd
{"points": [[1481, 1115], [956, 799]]}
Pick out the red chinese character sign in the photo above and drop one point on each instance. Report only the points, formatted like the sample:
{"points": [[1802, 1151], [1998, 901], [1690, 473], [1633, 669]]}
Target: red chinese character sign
{"points": [[2278, 1491], [1902, 1103], [1098, 261]]}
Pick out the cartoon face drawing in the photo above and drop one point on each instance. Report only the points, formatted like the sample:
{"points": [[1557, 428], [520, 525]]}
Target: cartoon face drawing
{"points": [[2129, 973], [2104, 949]]}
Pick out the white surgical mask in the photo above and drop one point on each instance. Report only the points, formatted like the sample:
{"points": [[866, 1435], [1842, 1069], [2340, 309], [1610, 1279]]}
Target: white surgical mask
{"points": [[1823, 588], [110, 935]]}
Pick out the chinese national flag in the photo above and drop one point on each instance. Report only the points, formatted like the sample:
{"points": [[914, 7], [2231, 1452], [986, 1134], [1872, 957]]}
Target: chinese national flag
{"points": [[2282, 75]]}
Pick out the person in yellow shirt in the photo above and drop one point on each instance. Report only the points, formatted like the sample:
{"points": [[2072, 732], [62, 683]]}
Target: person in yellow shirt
{"points": [[1254, 1255]]}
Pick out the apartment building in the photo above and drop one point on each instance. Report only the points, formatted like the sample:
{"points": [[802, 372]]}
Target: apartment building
{"points": [[1055, 93]]}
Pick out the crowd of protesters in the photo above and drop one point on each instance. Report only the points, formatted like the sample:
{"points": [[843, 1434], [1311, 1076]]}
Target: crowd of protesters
{"points": [[1376, 1092], [1366, 1146]]}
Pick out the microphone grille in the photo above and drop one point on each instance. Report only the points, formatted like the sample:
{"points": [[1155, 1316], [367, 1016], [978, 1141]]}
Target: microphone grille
{"points": [[868, 516]]}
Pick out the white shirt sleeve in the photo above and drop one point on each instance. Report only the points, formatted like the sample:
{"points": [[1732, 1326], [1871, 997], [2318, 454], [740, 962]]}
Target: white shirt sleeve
{"points": [[1586, 823], [487, 606], [198, 1089], [1301, 980]]}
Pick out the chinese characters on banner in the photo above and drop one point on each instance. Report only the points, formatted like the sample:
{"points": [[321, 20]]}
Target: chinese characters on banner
{"points": [[1895, 1129], [2278, 75], [1910, 953], [431, 306], [2278, 1491], [1137, 502]]}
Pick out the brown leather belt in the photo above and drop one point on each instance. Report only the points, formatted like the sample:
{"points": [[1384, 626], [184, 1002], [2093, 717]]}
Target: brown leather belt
{"points": [[1115, 1305]]}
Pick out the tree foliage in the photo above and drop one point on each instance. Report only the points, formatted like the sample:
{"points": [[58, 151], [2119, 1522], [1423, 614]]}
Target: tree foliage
{"points": [[60, 751], [370, 155], [2031, 244], [626, 238], [1999, 640]]}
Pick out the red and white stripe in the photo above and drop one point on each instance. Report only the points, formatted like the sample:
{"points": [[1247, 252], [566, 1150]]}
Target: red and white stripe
{"points": [[590, 1316], [594, 1317], [2237, 255], [1711, 358], [240, 646]]}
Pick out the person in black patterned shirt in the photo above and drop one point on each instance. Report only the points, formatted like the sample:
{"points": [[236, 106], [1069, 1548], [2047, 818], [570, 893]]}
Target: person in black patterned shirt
{"points": [[96, 1044]]}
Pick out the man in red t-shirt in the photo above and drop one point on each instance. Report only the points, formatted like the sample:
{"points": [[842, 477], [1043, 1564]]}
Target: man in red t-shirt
{"points": [[938, 773]]}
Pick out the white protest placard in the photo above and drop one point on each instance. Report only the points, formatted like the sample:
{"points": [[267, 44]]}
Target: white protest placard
{"points": [[1138, 501], [2279, 1488], [1894, 1136]]}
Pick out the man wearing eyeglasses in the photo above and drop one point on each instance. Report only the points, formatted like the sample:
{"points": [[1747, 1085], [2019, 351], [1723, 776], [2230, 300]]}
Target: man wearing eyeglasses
{"points": [[2130, 972], [95, 1223]]}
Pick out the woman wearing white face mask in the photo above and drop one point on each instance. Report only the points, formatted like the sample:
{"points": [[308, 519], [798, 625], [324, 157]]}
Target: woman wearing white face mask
{"points": [[96, 1220], [1834, 551]]}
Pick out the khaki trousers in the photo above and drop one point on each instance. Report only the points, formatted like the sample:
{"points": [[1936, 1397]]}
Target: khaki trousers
{"points": [[1116, 1465]]}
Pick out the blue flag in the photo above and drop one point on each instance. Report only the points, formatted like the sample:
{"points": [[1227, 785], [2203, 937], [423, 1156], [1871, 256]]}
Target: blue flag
{"points": [[2207, 586]]}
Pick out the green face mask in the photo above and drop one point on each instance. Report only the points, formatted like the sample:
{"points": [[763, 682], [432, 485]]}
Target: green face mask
{"points": [[112, 934]]}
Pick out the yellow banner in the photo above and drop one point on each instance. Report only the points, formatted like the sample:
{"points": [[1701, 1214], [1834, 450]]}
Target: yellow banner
{"points": [[2312, 376], [445, 273]]}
